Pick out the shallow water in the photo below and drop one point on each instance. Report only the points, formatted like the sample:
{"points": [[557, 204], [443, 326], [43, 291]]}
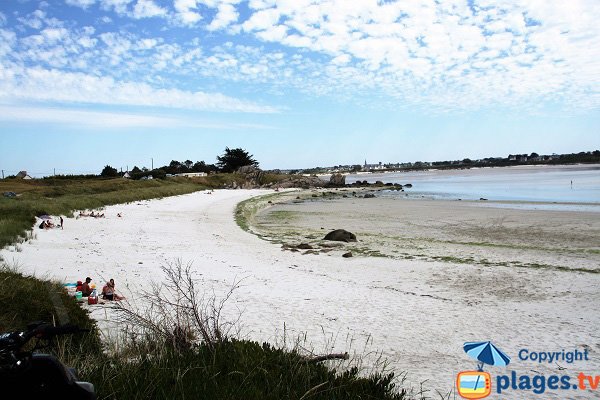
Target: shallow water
{"points": [[560, 184]]}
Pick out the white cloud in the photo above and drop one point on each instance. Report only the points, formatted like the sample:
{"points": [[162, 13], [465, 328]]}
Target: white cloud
{"points": [[37, 84], [35, 20], [425, 53], [225, 16], [186, 11], [119, 6], [148, 9], [107, 120], [81, 3], [2, 19]]}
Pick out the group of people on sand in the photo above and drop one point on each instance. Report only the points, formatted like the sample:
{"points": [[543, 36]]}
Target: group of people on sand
{"points": [[92, 214], [48, 224], [108, 291]]}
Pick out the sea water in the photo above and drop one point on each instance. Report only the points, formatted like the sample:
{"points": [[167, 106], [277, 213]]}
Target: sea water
{"points": [[578, 185]]}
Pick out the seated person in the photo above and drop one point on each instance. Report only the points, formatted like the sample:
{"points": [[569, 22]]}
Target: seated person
{"points": [[86, 290], [108, 291]]}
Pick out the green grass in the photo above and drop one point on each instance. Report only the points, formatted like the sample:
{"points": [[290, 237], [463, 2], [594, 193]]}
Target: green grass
{"points": [[24, 299], [246, 210], [233, 370]]}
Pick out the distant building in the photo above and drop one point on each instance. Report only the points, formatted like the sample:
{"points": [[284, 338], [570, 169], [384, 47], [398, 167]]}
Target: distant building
{"points": [[192, 174], [23, 175], [126, 175]]}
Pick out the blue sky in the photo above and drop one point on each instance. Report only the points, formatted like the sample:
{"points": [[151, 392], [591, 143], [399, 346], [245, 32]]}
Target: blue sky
{"points": [[298, 83]]}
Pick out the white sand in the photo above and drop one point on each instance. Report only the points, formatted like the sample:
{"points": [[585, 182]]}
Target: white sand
{"points": [[416, 313]]}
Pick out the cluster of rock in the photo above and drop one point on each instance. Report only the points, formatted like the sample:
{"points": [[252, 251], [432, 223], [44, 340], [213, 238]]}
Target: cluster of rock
{"points": [[252, 177], [380, 184], [338, 235]]}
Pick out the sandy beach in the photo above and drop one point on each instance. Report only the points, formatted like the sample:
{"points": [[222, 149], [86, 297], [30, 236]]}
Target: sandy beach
{"points": [[405, 307]]}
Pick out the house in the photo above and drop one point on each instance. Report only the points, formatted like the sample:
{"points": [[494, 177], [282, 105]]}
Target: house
{"points": [[23, 175], [126, 175]]}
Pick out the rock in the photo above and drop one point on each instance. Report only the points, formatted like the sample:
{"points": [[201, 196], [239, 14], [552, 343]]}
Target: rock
{"points": [[304, 246], [345, 196], [340, 235], [300, 181], [408, 185], [389, 184], [10, 194], [369, 196], [379, 183], [347, 255], [270, 202], [482, 199], [337, 180], [246, 169]]}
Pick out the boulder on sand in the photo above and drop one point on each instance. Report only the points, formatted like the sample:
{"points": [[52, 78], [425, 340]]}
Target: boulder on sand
{"points": [[340, 235]]}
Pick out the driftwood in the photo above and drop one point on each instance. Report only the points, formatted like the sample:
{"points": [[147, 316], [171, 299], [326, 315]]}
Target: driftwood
{"points": [[325, 357]]}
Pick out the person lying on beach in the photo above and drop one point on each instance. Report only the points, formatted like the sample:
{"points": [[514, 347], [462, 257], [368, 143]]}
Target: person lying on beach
{"points": [[108, 291], [119, 215]]}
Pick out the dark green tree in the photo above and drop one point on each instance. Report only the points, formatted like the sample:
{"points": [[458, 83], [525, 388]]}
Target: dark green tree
{"points": [[109, 172], [233, 159]]}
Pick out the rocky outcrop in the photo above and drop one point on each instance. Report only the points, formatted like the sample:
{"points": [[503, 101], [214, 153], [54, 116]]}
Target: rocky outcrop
{"points": [[337, 180], [300, 181], [340, 235]]}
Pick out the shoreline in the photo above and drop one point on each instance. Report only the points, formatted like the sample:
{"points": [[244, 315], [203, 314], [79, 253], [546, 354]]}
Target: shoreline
{"points": [[408, 312], [469, 232]]}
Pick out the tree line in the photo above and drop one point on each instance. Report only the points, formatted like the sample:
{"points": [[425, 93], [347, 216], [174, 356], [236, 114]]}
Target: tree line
{"points": [[230, 161]]}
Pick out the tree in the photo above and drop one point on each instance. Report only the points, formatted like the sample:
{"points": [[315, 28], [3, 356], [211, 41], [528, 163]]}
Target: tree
{"points": [[188, 164], [233, 159], [109, 171]]}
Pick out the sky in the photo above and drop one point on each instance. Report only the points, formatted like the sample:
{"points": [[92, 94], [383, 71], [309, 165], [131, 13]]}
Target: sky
{"points": [[297, 83]]}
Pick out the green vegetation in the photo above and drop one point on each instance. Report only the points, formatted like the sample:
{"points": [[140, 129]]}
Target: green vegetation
{"points": [[233, 159], [24, 299], [232, 370], [246, 210]]}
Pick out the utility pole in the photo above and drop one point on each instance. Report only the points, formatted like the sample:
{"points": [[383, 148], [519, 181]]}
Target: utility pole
{"points": [[2, 174], [54, 174], [152, 164]]}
